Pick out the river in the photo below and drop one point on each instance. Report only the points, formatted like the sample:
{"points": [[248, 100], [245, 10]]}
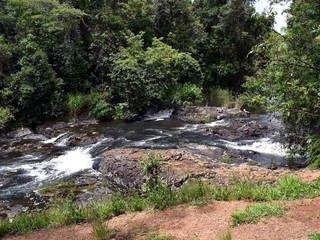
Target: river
{"points": [[45, 160]]}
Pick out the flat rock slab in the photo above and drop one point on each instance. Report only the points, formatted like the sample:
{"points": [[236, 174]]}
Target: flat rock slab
{"points": [[190, 162]]}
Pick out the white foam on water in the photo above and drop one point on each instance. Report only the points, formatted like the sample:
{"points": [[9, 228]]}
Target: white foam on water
{"points": [[71, 162], [53, 140], [143, 142], [216, 123], [159, 116], [63, 142], [263, 145]]}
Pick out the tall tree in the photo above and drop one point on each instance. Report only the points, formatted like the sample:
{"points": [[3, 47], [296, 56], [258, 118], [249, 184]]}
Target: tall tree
{"points": [[288, 79], [233, 29]]}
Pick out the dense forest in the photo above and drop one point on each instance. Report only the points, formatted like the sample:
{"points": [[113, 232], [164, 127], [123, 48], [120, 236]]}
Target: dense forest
{"points": [[118, 59]]}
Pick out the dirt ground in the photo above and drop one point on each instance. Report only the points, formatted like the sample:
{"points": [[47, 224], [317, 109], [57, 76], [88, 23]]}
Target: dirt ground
{"points": [[204, 223]]}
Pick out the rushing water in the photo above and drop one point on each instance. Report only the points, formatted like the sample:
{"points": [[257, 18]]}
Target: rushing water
{"points": [[52, 159]]}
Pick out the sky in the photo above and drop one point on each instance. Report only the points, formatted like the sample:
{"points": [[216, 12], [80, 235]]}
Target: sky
{"points": [[280, 18]]}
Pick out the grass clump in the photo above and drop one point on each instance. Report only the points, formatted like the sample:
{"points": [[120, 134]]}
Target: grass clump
{"points": [[225, 235], [102, 232], [314, 236], [226, 159], [68, 212], [25, 223], [253, 213]]}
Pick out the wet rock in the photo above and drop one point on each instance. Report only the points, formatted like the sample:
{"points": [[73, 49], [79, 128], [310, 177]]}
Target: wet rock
{"points": [[122, 168], [53, 129], [20, 132], [240, 129], [194, 114]]}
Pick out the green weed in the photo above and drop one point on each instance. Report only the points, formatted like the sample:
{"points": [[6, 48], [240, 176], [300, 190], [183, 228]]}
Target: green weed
{"points": [[253, 213], [225, 236], [74, 104], [196, 190], [226, 159], [314, 236], [102, 232]]}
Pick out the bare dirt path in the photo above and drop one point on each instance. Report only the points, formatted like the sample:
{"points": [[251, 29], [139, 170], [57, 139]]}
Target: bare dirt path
{"points": [[204, 223]]}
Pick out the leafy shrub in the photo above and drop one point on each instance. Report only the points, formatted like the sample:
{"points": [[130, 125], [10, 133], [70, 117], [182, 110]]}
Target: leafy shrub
{"points": [[187, 94], [102, 110], [75, 103], [314, 150], [144, 79]]}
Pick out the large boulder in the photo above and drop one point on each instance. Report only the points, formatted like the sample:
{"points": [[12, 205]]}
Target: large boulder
{"points": [[179, 165]]}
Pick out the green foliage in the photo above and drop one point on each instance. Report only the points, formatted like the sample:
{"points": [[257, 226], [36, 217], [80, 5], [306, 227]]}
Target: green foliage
{"points": [[225, 236], [314, 150], [253, 213], [51, 49], [74, 104], [226, 159], [142, 79], [188, 94], [39, 90], [163, 196], [27, 222], [314, 236], [102, 232], [195, 191], [151, 168], [233, 28], [6, 116], [68, 213], [287, 78]]}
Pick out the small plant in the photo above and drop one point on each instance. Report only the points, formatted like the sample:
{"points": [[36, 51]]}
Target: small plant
{"points": [[252, 162], [226, 159], [225, 235], [74, 104], [102, 232], [253, 213], [151, 168], [69, 212], [188, 94], [314, 150], [314, 236], [199, 203]]}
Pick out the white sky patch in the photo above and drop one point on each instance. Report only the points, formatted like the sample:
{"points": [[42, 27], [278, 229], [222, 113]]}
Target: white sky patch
{"points": [[280, 18]]}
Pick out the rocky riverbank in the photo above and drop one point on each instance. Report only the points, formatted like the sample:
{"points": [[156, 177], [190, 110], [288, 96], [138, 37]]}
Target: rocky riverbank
{"points": [[191, 161], [118, 169]]}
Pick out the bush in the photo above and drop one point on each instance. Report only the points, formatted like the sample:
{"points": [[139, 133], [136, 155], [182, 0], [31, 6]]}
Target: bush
{"points": [[188, 94], [75, 103]]}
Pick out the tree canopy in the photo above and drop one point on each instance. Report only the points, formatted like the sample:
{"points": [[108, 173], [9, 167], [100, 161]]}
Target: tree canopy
{"points": [[287, 79], [114, 53]]}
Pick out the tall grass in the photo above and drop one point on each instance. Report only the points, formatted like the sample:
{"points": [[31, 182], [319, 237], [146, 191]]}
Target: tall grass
{"points": [[76, 103], [224, 98], [161, 197]]}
